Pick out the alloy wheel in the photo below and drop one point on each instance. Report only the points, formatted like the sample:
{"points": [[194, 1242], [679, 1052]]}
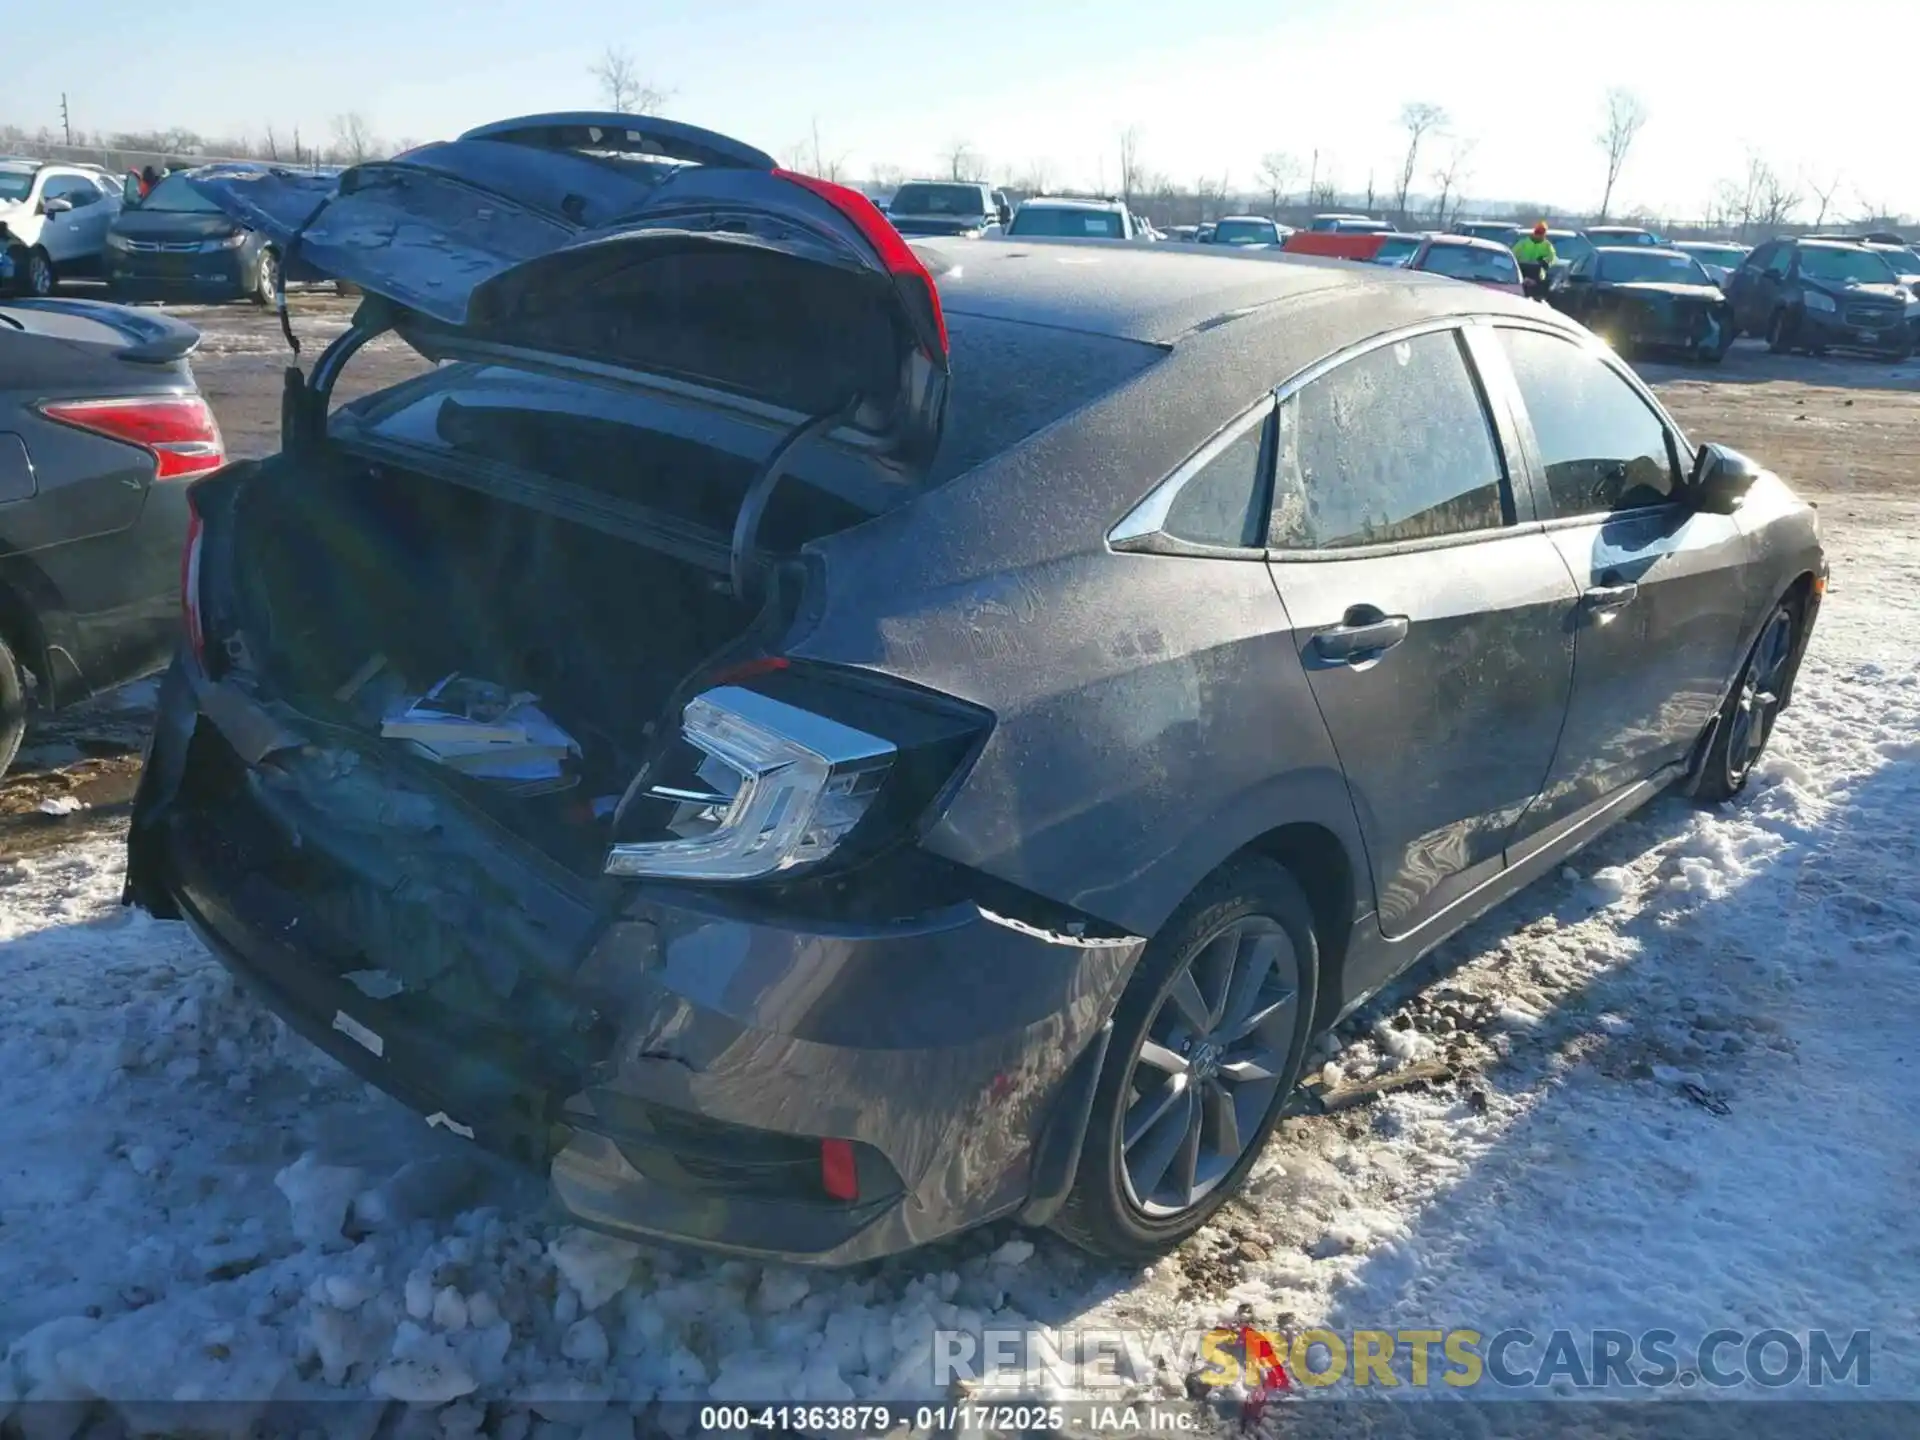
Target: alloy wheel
{"points": [[1758, 699], [265, 285], [39, 275], [1209, 1065]]}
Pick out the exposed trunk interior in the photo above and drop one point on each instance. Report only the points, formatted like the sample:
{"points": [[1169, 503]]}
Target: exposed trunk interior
{"points": [[338, 561]]}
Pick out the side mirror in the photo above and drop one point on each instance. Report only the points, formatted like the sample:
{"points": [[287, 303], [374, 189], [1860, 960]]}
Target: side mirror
{"points": [[130, 191], [1721, 479], [58, 205]]}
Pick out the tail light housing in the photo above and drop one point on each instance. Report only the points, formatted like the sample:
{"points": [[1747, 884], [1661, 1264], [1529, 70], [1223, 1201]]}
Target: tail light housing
{"points": [[909, 272], [179, 431], [788, 770]]}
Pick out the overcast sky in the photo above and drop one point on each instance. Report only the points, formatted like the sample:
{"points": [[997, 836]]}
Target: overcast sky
{"points": [[1210, 86]]}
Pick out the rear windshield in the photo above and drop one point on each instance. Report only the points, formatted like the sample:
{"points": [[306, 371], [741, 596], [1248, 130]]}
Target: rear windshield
{"points": [[1844, 267], [1621, 237], [1627, 267], [1728, 255], [176, 193], [937, 200], [1058, 220], [1472, 262], [1246, 232], [1396, 252], [1010, 381]]}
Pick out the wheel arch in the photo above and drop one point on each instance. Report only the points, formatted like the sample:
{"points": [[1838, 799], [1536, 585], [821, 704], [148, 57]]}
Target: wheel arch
{"points": [[1318, 860]]}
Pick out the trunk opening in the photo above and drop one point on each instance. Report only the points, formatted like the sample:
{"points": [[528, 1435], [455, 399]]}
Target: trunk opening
{"points": [[338, 561]]}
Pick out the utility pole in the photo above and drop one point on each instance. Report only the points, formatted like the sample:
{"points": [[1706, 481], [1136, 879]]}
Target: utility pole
{"points": [[66, 123], [1313, 178]]}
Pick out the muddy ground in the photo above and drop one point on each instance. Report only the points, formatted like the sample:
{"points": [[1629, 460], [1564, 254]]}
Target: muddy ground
{"points": [[1845, 431]]}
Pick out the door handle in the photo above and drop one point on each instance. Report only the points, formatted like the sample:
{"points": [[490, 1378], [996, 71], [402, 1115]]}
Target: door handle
{"points": [[1360, 640], [1605, 599]]}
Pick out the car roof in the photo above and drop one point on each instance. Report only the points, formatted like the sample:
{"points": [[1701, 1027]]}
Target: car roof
{"points": [[1071, 202], [1159, 296], [1709, 245]]}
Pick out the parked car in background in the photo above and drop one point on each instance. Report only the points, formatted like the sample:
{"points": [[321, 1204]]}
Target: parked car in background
{"points": [[1248, 232], [1360, 246], [1614, 236], [1568, 246], [1812, 295], [1185, 234], [1335, 222], [175, 244], [101, 428], [1501, 232], [1203, 233], [1641, 298], [1719, 258], [1396, 249], [881, 943], [53, 220], [1046, 217], [1467, 257], [948, 207]]}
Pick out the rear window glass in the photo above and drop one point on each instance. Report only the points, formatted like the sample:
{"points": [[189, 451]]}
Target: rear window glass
{"points": [[1063, 220], [1009, 382], [937, 200], [1472, 262]]}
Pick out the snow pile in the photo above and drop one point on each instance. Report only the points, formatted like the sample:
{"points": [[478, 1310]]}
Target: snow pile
{"points": [[1662, 1064]]}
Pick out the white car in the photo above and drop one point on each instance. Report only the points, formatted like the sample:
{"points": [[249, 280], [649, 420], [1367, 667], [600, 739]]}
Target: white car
{"points": [[53, 221]]}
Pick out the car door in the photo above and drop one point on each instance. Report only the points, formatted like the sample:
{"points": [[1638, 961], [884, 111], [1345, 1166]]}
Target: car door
{"points": [[1434, 630], [73, 237], [1747, 285], [1661, 599]]}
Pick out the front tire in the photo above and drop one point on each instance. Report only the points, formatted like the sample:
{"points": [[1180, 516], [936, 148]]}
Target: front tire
{"points": [[1208, 1043], [1780, 331], [1747, 719], [265, 274], [39, 279]]}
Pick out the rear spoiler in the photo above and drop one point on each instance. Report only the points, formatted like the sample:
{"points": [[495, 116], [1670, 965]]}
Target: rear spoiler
{"points": [[151, 339]]}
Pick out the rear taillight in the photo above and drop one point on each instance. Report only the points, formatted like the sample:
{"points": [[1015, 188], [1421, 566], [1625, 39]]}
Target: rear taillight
{"points": [[899, 258], [179, 431], [190, 583], [839, 1176]]}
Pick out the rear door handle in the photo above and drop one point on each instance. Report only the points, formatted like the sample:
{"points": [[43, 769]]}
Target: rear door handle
{"points": [[1362, 640], [1605, 599]]}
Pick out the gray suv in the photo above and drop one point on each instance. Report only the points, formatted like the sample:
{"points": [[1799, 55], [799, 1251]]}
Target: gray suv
{"points": [[965, 725]]}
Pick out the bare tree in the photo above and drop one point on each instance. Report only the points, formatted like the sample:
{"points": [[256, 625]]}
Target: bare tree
{"points": [[1449, 177], [1037, 178], [621, 85], [1419, 119], [1277, 172], [885, 177], [1825, 196], [1760, 200], [353, 139], [273, 148], [961, 160], [1129, 163], [1626, 114], [827, 167], [1369, 205]]}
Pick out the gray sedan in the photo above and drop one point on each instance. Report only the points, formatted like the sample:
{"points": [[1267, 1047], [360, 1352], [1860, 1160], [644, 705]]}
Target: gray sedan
{"points": [[996, 704]]}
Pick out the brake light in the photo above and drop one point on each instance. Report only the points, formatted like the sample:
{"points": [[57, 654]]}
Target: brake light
{"points": [[838, 1175], [190, 582], [179, 431], [899, 258]]}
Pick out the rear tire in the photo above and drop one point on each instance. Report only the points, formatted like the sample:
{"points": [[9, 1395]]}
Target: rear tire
{"points": [[13, 707], [1208, 1042], [1747, 718]]}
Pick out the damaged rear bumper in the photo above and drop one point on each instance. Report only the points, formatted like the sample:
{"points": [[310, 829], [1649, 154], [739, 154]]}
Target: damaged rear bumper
{"points": [[673, 1057]]}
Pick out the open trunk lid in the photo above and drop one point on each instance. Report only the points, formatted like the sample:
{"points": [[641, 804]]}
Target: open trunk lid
{"points": [[637, 243]]}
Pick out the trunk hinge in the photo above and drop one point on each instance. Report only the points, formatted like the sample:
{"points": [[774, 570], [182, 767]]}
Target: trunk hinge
{"points": [[753, 505]]}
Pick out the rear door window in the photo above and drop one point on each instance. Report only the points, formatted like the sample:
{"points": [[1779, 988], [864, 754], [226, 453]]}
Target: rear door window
{"points": [[1394, 445], [1604, 449]]}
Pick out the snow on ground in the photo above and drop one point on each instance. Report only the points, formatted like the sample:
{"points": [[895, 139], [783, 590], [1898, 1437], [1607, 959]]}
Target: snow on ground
{"points": [[1687, 1100]]}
